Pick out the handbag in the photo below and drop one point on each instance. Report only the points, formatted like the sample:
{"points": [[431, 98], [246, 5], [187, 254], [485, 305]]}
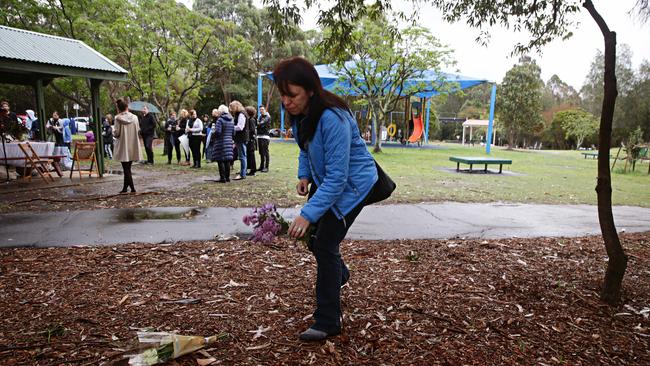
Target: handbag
{"points": [[382, 189]]}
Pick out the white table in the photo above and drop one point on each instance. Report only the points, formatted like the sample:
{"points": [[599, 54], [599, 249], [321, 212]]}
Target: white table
{"points": [[14, 152]]}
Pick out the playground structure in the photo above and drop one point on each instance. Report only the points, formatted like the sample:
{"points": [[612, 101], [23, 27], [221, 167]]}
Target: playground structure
{"points": [[426, 84]]}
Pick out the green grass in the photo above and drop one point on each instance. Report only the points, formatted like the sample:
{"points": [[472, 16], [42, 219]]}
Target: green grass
{"points": [[553, 177]]}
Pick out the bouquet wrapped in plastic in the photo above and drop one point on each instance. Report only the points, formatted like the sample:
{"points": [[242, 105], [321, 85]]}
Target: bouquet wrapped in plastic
{"points": [[269, 224], [165, 346]]}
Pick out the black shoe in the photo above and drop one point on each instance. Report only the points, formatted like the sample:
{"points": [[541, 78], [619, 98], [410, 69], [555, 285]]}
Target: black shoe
{"points": [[265, 170], [315, 335], [169, 162]]}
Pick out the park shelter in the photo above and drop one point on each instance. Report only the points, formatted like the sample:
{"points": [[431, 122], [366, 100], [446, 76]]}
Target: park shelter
{"points": [[35, 59], [471, 123], [331, 80]]}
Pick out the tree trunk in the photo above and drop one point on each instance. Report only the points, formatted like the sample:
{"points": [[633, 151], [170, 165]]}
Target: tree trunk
{"points": [[512, 139], [611, 291], [378, 117]]}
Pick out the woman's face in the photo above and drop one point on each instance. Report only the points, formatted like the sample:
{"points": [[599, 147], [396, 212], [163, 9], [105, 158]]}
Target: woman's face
{"points": [[296, 101]]}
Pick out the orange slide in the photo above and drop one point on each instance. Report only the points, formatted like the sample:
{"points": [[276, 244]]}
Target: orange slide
{"points": [[417, 130]]}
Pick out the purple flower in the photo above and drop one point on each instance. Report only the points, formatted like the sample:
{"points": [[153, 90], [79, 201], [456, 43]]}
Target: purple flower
{"points": [[267, 223], [247, 220]]}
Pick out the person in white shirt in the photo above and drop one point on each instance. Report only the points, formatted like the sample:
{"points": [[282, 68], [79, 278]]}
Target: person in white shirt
{"points": [[241, 135], [194, 131]]}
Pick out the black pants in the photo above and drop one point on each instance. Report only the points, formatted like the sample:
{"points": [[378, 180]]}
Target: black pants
{"points": [[148, 147], [332, 272], [263, 146], [224, 171], [128, 178], [168, 143], [177, 146], [195, 146], [250, 157]]}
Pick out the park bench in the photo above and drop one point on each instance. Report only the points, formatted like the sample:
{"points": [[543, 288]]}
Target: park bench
{"points": [[471, 161], [593, 155]]}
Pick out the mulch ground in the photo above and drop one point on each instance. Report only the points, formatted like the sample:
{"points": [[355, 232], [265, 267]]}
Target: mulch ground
{"points": [[423, 302]]}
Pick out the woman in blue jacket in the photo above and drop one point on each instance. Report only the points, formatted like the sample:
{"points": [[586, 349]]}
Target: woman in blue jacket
{"points": [[336, 170]]}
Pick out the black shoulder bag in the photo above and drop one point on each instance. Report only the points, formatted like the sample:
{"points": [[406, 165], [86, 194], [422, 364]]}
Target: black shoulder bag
{"points": [[382, 189]]}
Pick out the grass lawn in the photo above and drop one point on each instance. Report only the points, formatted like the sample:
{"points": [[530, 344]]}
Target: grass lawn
{"points": [[426, 175]]}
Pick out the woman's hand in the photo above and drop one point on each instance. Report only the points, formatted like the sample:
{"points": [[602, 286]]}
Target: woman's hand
{"points": [[298, 227], [302, 187]]}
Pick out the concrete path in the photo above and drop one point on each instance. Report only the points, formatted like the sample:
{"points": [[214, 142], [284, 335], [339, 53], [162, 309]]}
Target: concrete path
{"points": [[416, 221]]}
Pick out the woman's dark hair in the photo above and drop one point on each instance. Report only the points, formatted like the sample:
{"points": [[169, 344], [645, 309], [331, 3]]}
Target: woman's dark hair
{"points": [[298, 71], [250, 111], [121, 105]]}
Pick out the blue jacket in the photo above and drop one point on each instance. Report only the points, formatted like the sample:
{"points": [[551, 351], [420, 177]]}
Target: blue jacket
{"points": [[222, 135], [339, 163], [67, 132]]}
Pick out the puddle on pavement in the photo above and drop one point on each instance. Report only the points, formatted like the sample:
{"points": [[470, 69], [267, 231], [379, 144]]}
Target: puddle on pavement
{"points": [[135, 215]]}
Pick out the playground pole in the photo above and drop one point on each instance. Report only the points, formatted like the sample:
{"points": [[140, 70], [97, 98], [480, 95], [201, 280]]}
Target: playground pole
{"points": [[259, 91], [282, 120], [426, 130], [488, 138]]}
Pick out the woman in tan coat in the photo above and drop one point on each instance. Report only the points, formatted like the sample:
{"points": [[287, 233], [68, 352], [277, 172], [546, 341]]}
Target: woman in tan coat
{"points": [[127, 147]]}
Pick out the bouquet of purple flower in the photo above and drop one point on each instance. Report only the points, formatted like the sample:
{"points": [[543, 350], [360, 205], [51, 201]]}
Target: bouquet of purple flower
{"points": [[269, 224]]}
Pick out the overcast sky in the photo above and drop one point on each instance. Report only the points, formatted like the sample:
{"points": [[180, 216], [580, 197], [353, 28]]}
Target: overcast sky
{"points": [[569, 59]]}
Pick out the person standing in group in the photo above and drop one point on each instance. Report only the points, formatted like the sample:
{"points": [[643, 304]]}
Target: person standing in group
{"points": [[169, 142], [172, 130], [241, 135], [194, 130], [127, 147], [204, 139], [251, 145], [148, 125], [54, 127], [31, 120], [107, 135], [35, 129], [11, 116], [209, 141], [222, 135], [337, 172], [263, 138], [67, 134], [182, 125]]}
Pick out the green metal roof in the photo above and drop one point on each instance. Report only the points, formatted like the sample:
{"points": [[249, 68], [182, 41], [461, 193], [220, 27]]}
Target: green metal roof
{"points": [[25, 55]]}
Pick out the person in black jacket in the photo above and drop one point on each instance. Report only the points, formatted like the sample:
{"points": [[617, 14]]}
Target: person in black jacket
{"points": [[251, 145], [263, 138], [148, 125], [172, 129]]}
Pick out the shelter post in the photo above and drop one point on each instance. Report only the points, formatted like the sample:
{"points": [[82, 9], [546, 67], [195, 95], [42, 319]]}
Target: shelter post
{"points": [[488, 138], [426, 130], [259, 92], [40, 107], [97, 119]]}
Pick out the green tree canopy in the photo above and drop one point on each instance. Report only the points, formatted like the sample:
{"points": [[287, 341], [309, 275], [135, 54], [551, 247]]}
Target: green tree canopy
{"points": [[520, 103], [577, 124], [384, 61]]}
